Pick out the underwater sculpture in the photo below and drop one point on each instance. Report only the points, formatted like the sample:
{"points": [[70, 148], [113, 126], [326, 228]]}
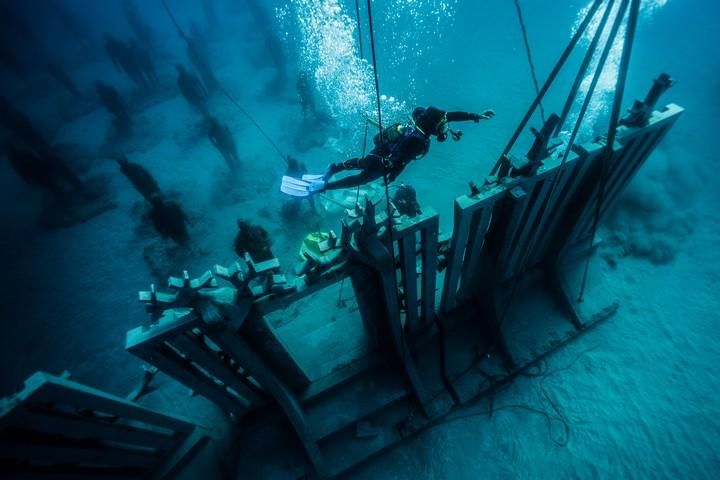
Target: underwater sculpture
{"points": [[192, 89], [395, 148], [253, 240], [44, 169], [166, 215], [405, 200], [114, 103], [222, 139]]}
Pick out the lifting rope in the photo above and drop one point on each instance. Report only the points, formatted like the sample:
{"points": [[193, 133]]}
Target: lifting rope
{"points": [[382, 146], [612, 129], [556, 70], [529, 56], [578, 123], [224, 91]]}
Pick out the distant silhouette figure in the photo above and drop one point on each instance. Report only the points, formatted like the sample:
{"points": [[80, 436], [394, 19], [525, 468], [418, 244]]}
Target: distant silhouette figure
{"points": [[130, 59], [221, 137], [44, 170], [192, 89], [142, 31], [21, 126], [200, 60], [140, 178], [115, 104], [169, 219], [60, 76]]}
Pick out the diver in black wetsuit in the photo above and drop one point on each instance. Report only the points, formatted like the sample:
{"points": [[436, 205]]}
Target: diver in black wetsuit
{"points": [[400, 144]]}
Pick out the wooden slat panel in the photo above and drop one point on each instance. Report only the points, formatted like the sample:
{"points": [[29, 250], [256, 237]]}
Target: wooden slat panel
{"points": [[239, 348], [475, 253], [519, 200], [621, 159], [84, 427], [181, 370], [54, 388], [55, 453], [461, 231], [564, 201], [530, 225], [409, 278], [214, 366], [613, 194], [542, 232], [429, 239]]}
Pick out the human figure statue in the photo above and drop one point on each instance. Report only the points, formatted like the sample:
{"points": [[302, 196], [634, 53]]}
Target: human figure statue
{"points": [[115, 104], [254, 240], [192, 89], [222, 138], [44, 169], [169, 219], [139, 177]]}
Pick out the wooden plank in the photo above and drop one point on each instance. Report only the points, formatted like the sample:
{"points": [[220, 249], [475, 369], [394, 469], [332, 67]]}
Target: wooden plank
{"points": [[378, 253], [181, 370], [56, 389], [356, 400], [168, 326], [408, 268], [614, 194], [173, 463], [214, 366], [472, 270], [235, 344], [519, 199], [343, 375], [429, 240], [553, 209], [458, 242], [67, 451], [623, 157], [567, 197], [530, 225], [55, 422]]}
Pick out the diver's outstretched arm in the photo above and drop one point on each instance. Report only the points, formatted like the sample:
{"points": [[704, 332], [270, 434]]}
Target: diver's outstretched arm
{"points": [[465, 116]]}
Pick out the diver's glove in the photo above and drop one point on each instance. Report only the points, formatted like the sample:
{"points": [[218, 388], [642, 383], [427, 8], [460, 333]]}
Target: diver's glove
{"points": [[486, 115]]}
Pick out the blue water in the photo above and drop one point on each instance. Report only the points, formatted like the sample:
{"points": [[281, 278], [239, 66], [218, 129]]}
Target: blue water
{"points": [[642, 403]]}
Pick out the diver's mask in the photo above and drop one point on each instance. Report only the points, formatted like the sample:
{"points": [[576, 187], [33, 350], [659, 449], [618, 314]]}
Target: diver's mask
{"points": [[443, 129]]}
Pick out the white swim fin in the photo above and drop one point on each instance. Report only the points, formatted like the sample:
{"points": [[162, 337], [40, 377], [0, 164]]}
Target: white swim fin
{"points": [[296, 187]]}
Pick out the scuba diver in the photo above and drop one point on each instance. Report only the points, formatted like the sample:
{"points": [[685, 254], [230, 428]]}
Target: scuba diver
{"points": [[397, 146]]}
